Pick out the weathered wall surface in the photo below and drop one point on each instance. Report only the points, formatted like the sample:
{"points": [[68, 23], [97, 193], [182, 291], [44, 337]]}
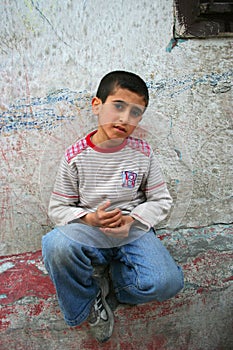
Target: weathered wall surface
{"points": [[53, 54], [52, 57]]}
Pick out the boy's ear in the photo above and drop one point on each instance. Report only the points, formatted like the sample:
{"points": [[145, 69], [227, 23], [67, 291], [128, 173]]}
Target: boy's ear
{"points": [[96, 104]]}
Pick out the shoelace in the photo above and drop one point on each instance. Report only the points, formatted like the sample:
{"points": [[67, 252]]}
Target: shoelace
{"points": [[99, 308]]}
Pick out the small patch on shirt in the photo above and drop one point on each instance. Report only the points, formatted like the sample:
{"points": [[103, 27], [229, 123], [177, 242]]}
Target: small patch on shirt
{"points": [[75, 149], [128, 179]]}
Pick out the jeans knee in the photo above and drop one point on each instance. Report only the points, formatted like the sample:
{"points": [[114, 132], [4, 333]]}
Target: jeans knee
{"points": [[54, 247], [170, 285], [159, 289]]}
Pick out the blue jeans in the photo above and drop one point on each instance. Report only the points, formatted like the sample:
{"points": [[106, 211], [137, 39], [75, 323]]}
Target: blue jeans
{"points": [[141, 271]]}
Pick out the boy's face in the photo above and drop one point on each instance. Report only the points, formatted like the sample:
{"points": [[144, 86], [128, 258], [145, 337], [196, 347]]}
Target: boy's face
{"points": [[118, 117]]}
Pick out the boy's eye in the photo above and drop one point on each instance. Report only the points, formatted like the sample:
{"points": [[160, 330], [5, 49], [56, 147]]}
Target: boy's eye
{"points": [[119, 106], [136, 112]]}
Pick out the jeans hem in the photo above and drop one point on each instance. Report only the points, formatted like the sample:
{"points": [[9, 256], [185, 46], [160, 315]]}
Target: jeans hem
{"points": [[81, 318]]}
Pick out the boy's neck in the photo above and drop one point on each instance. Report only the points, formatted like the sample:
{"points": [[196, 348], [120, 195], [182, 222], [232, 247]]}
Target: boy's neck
{"points": [[111, 143]]}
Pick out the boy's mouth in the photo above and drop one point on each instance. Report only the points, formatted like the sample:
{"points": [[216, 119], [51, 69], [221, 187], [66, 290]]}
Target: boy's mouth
{"points": [[120, 128]]}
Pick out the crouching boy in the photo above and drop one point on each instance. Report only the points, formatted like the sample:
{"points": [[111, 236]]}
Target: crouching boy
{"points": [[108, 196]]}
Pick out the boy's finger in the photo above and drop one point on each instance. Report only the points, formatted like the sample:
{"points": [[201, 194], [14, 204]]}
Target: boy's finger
{"points": [[114, 232], [116, 222], [104, 206], [113, 219], [111, 214]]}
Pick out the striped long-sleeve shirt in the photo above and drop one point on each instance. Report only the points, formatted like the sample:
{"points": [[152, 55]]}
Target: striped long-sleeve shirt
{"points": [[128, 175]]}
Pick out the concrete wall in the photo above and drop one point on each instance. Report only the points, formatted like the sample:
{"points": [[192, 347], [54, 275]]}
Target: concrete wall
{"points": [[53, 54]]}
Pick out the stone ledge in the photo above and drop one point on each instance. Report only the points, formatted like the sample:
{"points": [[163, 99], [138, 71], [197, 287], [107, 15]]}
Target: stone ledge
{"points": [[197, 318]]}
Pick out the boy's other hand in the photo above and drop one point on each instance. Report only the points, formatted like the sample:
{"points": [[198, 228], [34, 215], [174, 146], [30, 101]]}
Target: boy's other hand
{"points": [[102, 218], [122, 230]]}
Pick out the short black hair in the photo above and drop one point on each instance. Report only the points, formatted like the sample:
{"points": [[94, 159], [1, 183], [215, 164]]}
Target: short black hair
{"points": [[124, 80]]}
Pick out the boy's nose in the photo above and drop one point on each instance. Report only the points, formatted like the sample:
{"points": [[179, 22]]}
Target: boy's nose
{"points": [[124, 117]]}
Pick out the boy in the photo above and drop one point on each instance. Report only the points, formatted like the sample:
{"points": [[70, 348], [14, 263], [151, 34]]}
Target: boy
{"points": [[108, 196]]}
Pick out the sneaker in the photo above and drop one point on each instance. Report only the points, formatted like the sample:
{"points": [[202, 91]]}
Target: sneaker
{"points": [[101, 318]]}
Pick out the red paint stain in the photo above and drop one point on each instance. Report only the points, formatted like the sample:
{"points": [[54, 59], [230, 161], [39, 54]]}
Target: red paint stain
{"points": [[36, 309], [163, 236], [25, 279], [207, 270], [5, 316], [228, 279], [4, 322]]}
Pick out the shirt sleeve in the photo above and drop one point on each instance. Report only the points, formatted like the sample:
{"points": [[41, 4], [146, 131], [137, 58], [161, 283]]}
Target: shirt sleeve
{"points": [[63, 205], [158, 200]]}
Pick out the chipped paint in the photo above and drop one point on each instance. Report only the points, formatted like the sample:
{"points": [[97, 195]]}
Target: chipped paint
{"points": [[6, 266]]}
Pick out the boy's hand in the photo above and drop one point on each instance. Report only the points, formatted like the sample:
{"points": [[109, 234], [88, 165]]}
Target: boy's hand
{"points": [[121, 231], [102, 218]]}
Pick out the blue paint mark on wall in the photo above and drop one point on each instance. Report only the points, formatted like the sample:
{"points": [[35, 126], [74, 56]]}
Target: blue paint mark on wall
{"points": [[42, 114], [219, 83], [174, 42]]}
